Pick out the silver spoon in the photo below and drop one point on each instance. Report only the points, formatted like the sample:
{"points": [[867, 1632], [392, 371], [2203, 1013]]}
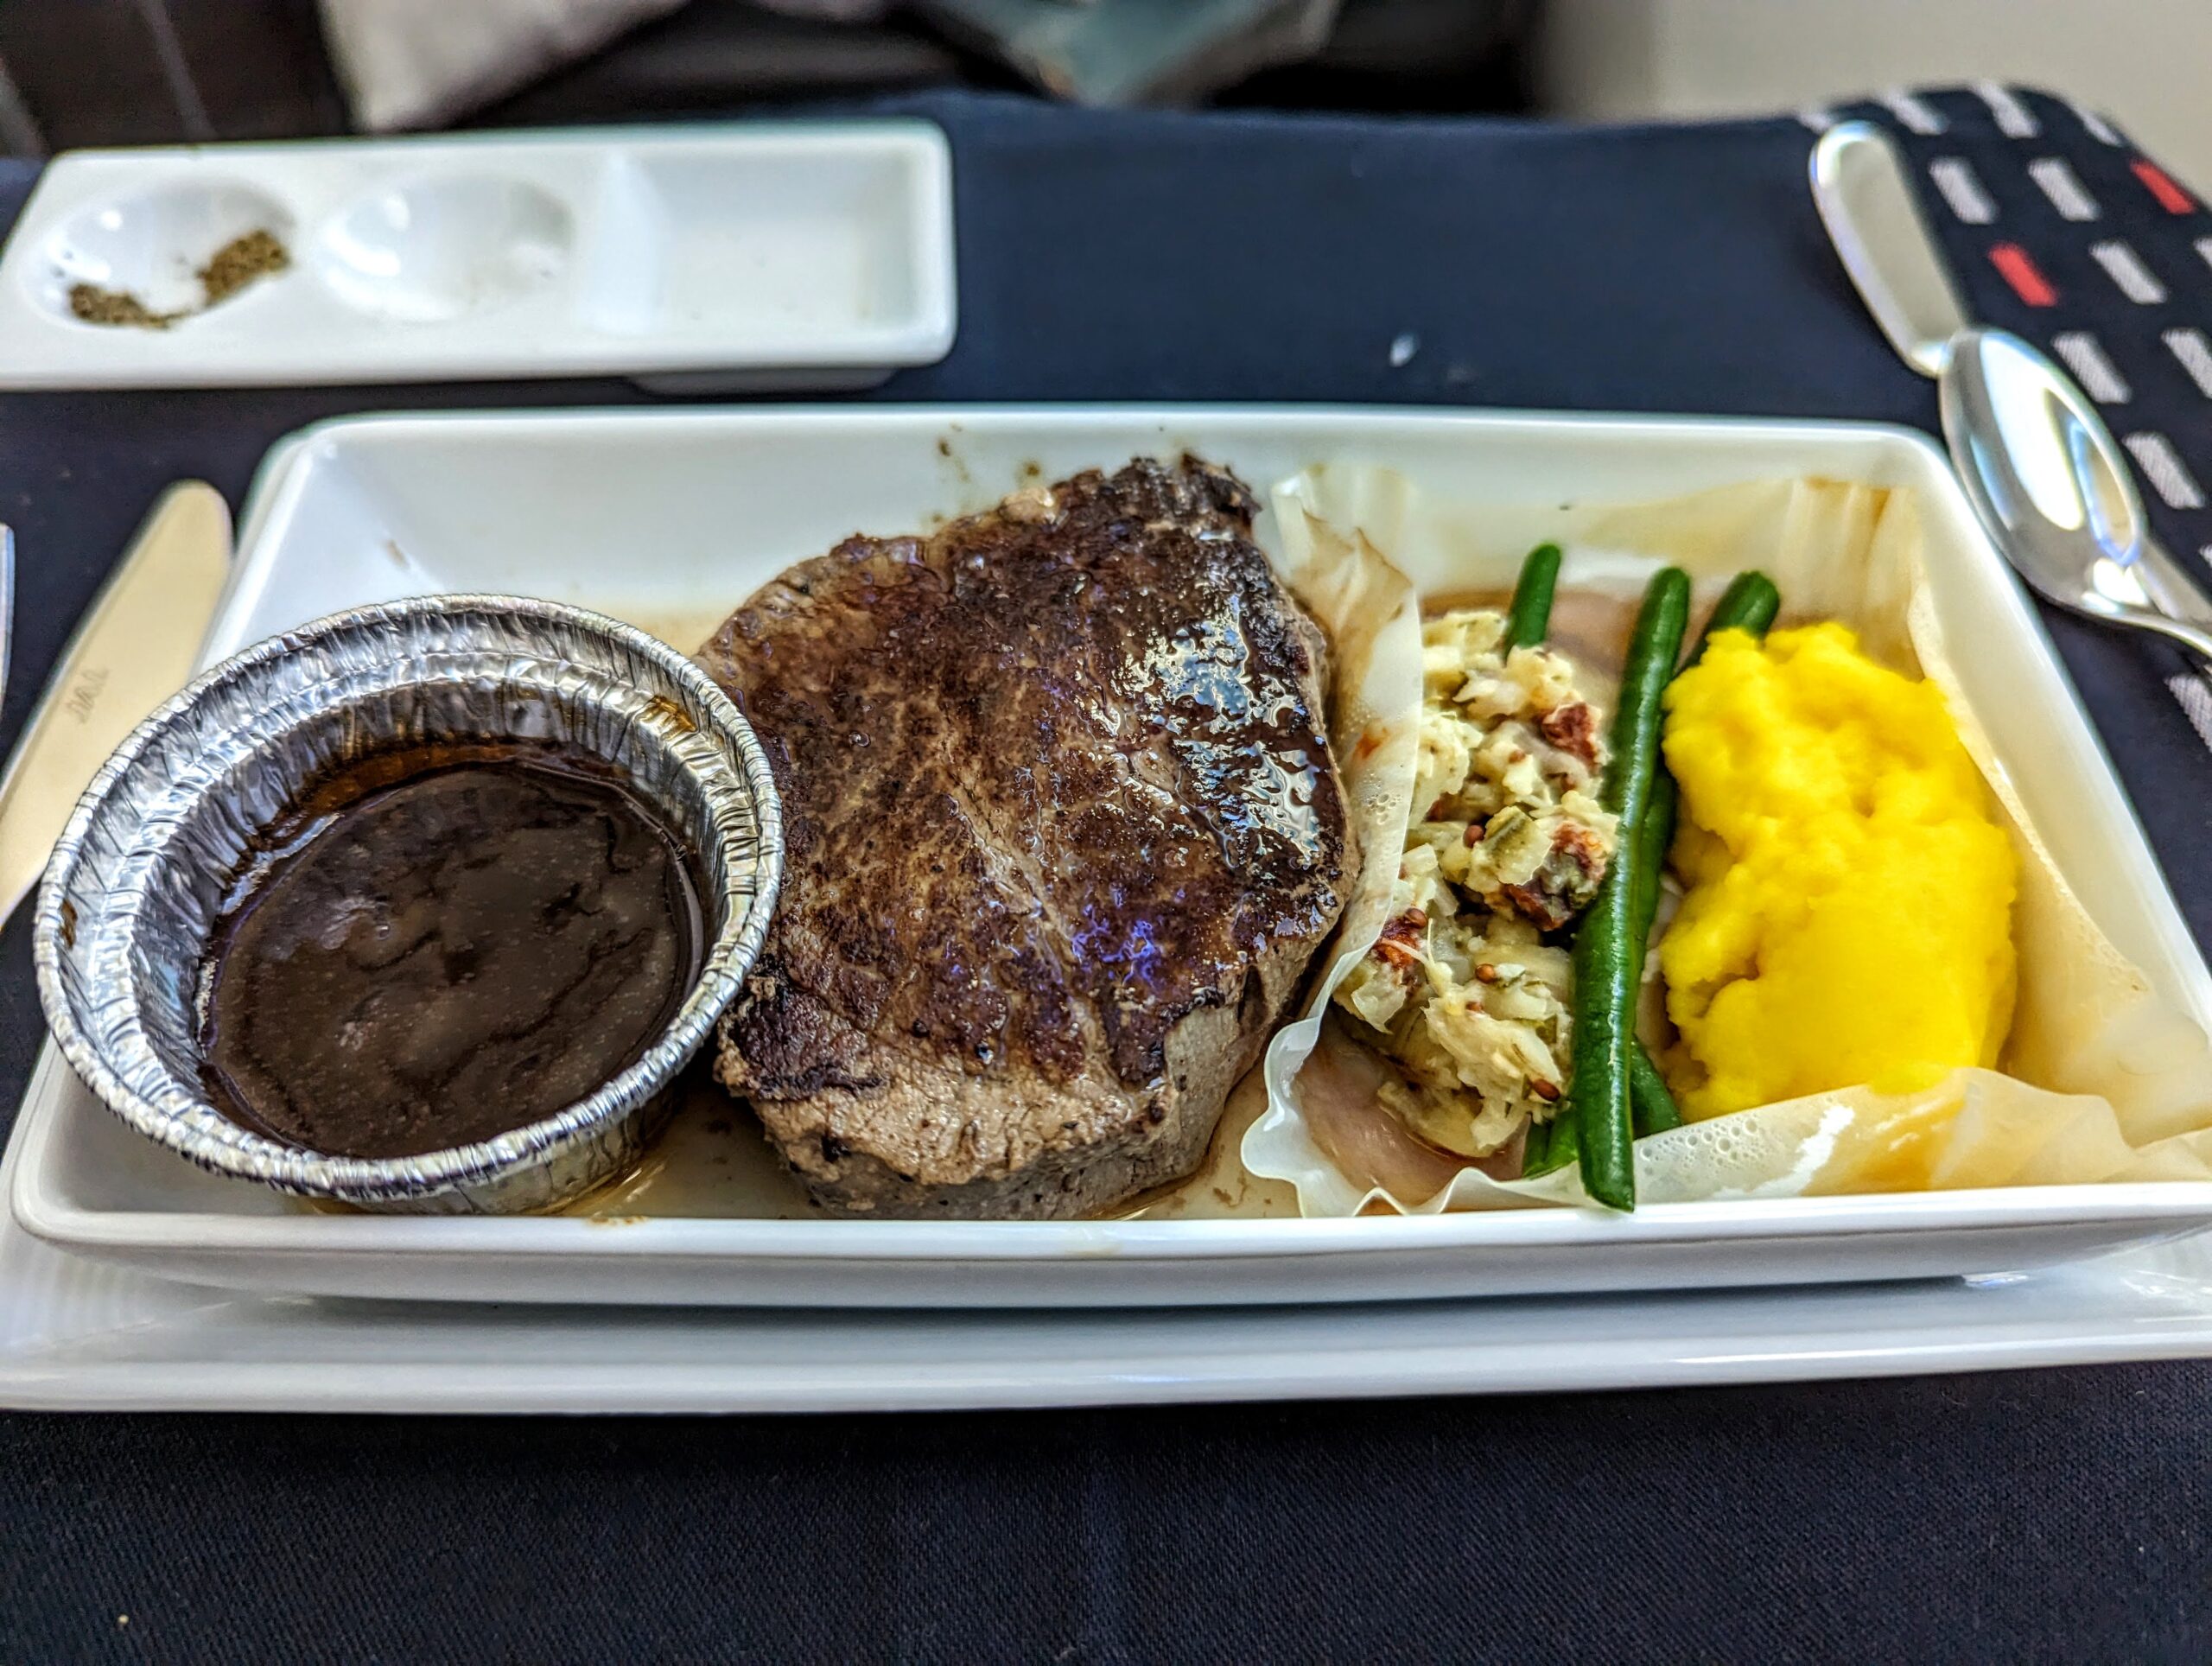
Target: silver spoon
{"points": [[1862, 186], [2049, 484]]}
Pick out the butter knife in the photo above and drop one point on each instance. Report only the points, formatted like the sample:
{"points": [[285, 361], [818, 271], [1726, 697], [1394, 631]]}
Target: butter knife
{"points": [[135, 648]]}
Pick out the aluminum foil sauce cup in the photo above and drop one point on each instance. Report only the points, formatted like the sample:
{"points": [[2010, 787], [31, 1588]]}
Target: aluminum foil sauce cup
{"points": [[137, 883]]}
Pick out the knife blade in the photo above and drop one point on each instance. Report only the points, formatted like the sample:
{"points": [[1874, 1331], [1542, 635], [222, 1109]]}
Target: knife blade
{"points": [[7, 603], [135, 648], [1866, 201]]}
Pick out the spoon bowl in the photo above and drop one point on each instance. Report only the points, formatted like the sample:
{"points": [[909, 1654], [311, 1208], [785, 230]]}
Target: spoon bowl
{"points": [[2048, 483]]}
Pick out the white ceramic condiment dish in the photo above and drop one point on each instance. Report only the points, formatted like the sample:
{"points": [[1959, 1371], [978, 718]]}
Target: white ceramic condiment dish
{"points": [[723, 257]]}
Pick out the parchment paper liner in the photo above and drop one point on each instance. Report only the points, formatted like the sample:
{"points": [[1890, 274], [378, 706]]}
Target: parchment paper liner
{"points": [[2103, 1077]]}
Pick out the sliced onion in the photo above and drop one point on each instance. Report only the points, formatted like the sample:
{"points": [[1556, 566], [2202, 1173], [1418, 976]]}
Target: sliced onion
{"points": [[1337, 1094]]}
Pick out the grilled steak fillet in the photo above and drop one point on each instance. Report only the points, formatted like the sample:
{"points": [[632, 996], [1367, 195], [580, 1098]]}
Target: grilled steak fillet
{"points": [[1063, 830]]}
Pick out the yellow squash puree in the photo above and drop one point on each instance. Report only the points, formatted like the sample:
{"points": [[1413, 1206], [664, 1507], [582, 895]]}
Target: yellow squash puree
{"points": [[1849, 913]]}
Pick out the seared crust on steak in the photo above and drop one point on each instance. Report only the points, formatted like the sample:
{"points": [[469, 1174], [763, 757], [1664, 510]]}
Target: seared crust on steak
{"points": [[1063, 830]]}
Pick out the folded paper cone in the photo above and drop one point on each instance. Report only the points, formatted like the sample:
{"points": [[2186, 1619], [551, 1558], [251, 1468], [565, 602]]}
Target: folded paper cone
{"points": [[2103, 1077]]}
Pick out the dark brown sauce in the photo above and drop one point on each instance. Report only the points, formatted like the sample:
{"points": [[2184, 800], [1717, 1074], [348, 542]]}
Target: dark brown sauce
{"points": [[439, 945]]}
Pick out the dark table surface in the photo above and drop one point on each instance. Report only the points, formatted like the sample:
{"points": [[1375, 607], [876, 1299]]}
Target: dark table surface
{"points": [[2056, 1514]]}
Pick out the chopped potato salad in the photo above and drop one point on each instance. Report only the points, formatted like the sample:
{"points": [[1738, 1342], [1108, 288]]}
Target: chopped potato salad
{"points": [[1509, 843]]}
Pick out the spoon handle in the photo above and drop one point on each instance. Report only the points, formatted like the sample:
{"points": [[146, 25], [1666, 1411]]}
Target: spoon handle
{"points": [[2168, 586], [2192, 637]]}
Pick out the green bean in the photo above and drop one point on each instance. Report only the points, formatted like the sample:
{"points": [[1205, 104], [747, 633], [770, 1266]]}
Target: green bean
{"points": [[1749, 603], [1608, 951], [1652, 840], [1531, 613], [1528, 620], [1652, 1109], [1651, 1105], [1551, 1145]]}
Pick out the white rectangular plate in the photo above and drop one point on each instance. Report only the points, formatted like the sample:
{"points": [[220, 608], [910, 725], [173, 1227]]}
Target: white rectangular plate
{"points": [[807, 255], [78, 1336], [670, 518]]}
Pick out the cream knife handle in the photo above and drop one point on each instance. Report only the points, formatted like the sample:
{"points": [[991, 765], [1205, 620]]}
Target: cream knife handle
{"points": [[135, 649]]}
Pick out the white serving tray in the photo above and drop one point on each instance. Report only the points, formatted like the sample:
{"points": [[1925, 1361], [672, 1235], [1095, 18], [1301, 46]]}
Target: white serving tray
{"points": [[79, 1336], [669, 518], [718, 257]]}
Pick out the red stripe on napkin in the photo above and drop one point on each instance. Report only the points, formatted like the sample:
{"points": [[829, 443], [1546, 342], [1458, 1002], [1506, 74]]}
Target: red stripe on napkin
{"points": [[2014, 266], [2160, 184]]}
